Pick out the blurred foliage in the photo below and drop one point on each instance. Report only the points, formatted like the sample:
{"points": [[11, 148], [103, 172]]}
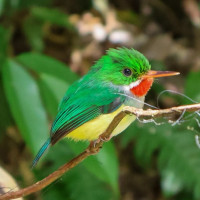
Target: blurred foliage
{"points": [[146, 161]]}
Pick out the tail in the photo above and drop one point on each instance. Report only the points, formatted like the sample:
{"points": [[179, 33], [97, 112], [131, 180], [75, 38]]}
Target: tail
{"points": [[44, 147]]}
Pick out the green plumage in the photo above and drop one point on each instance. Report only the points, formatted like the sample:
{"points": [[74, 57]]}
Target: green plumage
{"points": [[91, 96], [83, 105], [99, 92]]}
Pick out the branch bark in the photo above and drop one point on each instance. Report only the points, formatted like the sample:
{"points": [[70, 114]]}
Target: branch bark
{"points": [[93, 149]]}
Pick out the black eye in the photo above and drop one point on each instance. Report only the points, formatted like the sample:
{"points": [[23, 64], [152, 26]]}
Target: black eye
{"points": [[127, 72]]}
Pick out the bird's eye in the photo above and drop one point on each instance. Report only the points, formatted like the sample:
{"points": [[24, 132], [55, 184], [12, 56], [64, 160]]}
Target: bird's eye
{"points": [[127, 72]]}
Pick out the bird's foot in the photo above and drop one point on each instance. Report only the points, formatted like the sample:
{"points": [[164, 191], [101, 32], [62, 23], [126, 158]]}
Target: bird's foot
{"points": [[96, 145], [104, 138], [93, 147]]}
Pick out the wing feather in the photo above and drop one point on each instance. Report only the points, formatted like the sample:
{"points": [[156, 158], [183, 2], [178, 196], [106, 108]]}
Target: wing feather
{"points": [[65, 125], [84, 101], [77, 121]]}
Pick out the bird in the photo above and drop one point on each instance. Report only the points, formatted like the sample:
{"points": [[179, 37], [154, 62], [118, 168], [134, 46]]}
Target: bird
{"points": [[122, 77]]}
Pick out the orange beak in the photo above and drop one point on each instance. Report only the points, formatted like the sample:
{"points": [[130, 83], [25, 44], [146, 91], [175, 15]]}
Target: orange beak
{"points": [[156, 74]]}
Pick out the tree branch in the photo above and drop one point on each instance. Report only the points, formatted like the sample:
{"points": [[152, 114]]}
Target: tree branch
{"points": [[162, 112], [94, 148]]}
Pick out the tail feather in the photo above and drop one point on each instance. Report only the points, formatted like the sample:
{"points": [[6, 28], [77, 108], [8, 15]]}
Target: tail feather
{"points": [[44, 147]]}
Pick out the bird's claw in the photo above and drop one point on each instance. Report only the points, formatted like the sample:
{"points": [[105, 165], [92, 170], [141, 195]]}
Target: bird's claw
{"points": [[104, 138], [94, 148]]}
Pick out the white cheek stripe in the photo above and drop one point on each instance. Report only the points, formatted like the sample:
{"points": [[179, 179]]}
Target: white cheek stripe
{"points": [[132, 85]]}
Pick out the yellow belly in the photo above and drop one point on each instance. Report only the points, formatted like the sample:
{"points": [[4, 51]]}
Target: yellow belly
{"points": [[94, 128]]}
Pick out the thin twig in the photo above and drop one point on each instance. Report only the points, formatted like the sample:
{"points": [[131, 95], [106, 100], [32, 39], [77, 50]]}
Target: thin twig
{"points": [[93, 149], [161, 112]]}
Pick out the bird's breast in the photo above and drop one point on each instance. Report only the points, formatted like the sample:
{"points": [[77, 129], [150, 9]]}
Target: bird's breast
{"points": [[94, 128]]}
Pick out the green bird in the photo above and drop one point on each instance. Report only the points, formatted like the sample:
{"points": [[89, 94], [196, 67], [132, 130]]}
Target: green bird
{"points": [[120, 78]]}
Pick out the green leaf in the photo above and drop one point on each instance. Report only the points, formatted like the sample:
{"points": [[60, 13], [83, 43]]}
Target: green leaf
{"points": [[53, 16], [4, 39], [52, 91], [186, 153], [2, 2], [83, 185], [104, 165], [178, 155], [11, 6], [54, 78], [50, 101], [191, 90], [170, 183], [34, 33], [77, 183], [47, 65], [58, 86], [143, 132], [128, 135], [25, 3], [25, 104]]}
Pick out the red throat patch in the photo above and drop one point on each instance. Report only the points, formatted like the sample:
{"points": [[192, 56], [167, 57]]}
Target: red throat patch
{"points": [[142, 88]]}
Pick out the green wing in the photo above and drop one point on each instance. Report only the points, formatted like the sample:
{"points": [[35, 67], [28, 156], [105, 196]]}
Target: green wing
{"points": [[82, 104]]}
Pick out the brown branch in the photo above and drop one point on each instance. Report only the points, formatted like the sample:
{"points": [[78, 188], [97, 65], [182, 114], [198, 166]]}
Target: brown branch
{"points": [[93, 149], [161, 112]]}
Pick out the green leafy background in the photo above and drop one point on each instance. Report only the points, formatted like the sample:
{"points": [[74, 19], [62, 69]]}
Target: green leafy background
{"points": [[147, 161]]}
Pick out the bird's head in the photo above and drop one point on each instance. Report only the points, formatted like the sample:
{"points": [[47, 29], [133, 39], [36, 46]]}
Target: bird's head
{"points": [[129, 69]]}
